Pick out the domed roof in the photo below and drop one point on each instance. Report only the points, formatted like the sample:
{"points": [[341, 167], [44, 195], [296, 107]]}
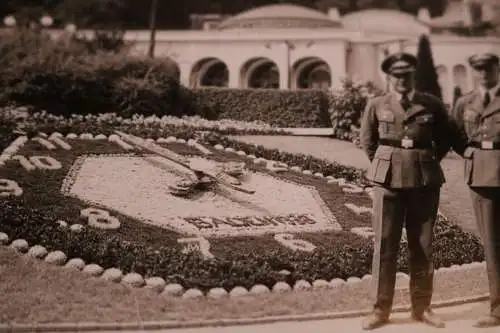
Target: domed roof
{"points": [[279, 16], [384, 21]]}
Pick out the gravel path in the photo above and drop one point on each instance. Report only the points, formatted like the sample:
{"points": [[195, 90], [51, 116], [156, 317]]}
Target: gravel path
{"points": [[455, 199], [458, 319]]}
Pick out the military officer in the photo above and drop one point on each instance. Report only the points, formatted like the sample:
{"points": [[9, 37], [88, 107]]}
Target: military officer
{"points": [[477, 117], [405, 134]]}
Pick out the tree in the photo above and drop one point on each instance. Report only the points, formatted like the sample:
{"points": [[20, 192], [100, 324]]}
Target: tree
{"points": [[134, 14], [97, 14], [426, 77]]}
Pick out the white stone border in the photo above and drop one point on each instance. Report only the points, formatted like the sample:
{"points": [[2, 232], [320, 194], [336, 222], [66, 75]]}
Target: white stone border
{"points": [[161, 287], [158, 284]]}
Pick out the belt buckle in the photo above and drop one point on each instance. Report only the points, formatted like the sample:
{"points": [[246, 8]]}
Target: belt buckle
{"points": [[407, 143], [487, 145]]}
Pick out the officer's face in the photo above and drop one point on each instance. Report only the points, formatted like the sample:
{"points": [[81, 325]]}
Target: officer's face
{"points": [[402, 82], [487, 76]]}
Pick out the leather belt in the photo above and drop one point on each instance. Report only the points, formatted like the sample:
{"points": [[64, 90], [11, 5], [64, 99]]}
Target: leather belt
{"points": [[485, 145], [407, 143]]}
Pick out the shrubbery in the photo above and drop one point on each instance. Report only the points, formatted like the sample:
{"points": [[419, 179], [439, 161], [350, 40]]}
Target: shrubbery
{"points": [[66, 77], [63, 77], [282, 108], [346, 106]]}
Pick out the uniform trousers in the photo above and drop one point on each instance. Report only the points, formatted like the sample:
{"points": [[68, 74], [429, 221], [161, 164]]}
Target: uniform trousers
{"points": [[416, 209], [486, 203]]}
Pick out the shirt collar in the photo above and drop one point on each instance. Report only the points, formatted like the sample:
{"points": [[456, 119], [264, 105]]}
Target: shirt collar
{"points": [[410, 95], [492, 92]]}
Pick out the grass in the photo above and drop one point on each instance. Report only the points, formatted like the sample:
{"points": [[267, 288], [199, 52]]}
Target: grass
{"points": [[35, 292]]}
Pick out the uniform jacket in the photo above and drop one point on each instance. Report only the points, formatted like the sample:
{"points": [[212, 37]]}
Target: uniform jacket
{"points": [[426, 120], [474, 123]]}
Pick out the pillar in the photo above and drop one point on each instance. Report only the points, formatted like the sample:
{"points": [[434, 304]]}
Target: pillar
{"points": [[234, 75], [285, 65], [185, 69]]}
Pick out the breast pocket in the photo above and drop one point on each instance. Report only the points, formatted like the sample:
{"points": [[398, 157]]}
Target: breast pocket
{"points": [[386, 119]]}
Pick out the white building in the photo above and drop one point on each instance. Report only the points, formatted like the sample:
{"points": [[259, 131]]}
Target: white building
{"points": [[288, 47]]}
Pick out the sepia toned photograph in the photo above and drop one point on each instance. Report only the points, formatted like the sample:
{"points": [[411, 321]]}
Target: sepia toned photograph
{"points": [[229, 166]]}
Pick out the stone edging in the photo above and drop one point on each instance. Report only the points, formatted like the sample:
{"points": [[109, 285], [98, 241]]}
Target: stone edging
{"points": [[158, 284]]}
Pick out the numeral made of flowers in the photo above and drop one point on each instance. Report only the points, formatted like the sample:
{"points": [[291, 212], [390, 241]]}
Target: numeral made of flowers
{"points": [[99, 218], [38, 162], [367, 232], [197, 244], [50, 145], [294, 244], [122, 144], [9, 188], [199, 146], [351, 188], [357, 209]]}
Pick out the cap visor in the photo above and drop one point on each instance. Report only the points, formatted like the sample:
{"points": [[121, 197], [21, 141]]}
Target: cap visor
{"points": [[401, 71]]}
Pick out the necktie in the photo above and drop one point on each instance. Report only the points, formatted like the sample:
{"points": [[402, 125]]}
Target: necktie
{"points": [[405, 102], [486, 99]]}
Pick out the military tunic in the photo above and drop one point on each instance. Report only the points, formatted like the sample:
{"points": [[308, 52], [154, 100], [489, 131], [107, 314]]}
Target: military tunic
{"points": [[407, 185], [477, 139]]}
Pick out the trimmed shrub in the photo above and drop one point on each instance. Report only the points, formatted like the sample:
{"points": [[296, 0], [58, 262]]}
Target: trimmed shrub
{"points": [[64, 78], [282, 108], [346, 107]]}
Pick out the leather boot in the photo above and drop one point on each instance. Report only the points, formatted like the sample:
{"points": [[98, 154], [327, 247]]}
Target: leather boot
{"points": [[430, 318], [375, 320], [487, 321]]}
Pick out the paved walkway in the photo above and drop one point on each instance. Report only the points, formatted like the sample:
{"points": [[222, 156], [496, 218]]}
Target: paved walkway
{"points": [[458, 319], [455, 199]]}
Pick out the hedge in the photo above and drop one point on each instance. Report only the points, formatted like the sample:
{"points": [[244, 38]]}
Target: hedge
{"points": [[281, 108]]}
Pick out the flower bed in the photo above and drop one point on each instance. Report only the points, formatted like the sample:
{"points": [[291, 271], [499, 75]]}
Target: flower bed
{"points": [[152, 126], [70, 185]]}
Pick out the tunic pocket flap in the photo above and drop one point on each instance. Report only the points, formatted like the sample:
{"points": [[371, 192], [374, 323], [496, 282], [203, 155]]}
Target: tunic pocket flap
{"points": [[387, 116], [469, 152]]}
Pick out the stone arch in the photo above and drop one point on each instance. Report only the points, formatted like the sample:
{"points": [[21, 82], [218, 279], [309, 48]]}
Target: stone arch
{"points": [[260, 73], [444, 83], [209, 72], [460, 78], [311, 73]]}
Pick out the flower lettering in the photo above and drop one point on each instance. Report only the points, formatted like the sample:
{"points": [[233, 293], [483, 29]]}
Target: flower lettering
{"points": [[249, 221]]}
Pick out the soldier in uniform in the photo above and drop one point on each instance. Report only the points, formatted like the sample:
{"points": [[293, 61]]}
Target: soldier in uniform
{"points": [[405, 134], [477, 119]]}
